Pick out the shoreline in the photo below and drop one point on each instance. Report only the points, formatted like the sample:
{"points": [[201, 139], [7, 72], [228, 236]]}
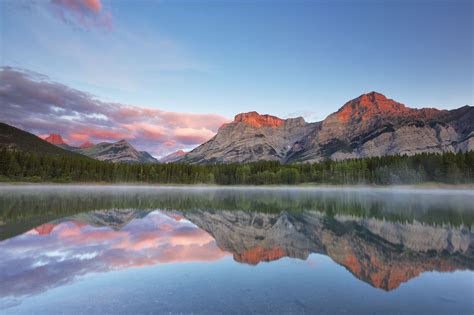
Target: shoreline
{"points": [[421, 186]]}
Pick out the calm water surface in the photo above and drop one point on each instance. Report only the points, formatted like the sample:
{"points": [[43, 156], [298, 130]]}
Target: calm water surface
{"points": [[146, 250]]}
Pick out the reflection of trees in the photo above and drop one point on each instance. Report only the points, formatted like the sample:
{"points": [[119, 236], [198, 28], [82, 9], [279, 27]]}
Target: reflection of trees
{"points": [[39, 206]]}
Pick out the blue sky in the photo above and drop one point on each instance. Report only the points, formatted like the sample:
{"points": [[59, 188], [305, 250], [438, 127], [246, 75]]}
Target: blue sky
{"points": [[286, 58], [279, 57]]}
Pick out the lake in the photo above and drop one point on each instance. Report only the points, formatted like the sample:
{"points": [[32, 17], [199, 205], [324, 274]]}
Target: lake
{"points": [[213, 250]]}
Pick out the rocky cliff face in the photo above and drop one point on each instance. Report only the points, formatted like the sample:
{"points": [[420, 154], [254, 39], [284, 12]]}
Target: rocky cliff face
{"points": [[370, 125], [249, 138], [381, 253]]}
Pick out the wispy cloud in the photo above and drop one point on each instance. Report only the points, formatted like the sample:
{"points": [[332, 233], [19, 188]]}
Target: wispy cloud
{"points": [[33, 102], [85, 13]]}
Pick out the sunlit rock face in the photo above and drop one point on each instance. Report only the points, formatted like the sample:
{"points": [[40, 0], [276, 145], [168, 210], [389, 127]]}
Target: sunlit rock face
{"points": [[373, 125], [369, 125], [55, 138], [256, 120], [251, 137], [384, 254]]}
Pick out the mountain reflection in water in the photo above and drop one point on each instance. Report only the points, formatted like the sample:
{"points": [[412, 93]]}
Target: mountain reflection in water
{"points": [[381, 242]]}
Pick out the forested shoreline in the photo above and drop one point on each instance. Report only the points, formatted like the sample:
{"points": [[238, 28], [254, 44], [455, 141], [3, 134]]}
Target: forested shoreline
{"points": [[450, 168]]}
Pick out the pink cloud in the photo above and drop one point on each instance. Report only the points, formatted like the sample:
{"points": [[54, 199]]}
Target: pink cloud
{"points": [[148, 130], [193, 135], [170, 143], [107, 134], [93, 6], [34, 103], [85, 13], [79, 137]]}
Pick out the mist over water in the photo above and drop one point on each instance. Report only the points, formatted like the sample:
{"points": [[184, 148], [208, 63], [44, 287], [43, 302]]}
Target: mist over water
{"points": [[149, 249]]}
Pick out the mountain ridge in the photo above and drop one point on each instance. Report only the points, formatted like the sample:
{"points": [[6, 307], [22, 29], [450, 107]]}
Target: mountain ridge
{"points": [[120, 151], [369, 125]]}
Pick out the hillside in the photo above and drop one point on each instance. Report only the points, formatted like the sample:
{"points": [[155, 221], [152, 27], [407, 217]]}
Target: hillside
{"points": [[12, 138]]}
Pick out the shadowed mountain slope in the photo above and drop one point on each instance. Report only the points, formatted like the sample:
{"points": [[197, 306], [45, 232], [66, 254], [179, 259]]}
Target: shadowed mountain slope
{"points": [[12, 138]]}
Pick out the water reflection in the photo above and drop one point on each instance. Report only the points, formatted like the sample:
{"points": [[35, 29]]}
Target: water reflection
{"points": [[381, 253], [52, 239], [54, 254]]}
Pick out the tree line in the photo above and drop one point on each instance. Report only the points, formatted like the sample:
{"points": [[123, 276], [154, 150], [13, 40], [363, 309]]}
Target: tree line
{"points": [[453, 168]]}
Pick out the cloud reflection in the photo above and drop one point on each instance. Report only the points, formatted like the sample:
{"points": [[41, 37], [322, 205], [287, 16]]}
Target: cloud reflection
{"points": [[53, 255]]}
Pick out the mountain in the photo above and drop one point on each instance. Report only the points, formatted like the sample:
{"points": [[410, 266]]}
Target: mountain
{"points": [[12, 138], [86, 145], [120, 151], [55, 138], [251, 137], [58, 140], [115, 219], [382, 253], [369, 125], [372, 125], [173, 157]]}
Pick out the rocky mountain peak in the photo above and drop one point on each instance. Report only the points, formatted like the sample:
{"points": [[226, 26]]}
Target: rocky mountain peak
{"points": [[120, 151], [55, 138], [369, 125], [86, 145], [256, 120], [374, 97], [123, 142], [371, 105]]}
